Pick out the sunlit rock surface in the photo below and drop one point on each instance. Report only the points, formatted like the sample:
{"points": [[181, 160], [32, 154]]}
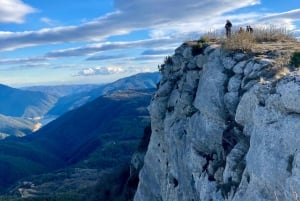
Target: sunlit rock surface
{"points": [[224, 127]]}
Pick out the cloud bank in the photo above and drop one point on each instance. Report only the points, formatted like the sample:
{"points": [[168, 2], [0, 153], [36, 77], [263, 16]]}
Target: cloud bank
{"points": [[14, 11], [100, 71], [153, 14]]}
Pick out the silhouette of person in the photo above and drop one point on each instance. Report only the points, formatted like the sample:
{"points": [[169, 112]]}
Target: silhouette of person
{"points": [[249, 29], [228, 26]]}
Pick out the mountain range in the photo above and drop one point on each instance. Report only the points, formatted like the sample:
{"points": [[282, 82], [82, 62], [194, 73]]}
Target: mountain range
{"points": [[62, 90], [21, 103], [138, 81], [101, 134], [16, 126], [26, 109]]}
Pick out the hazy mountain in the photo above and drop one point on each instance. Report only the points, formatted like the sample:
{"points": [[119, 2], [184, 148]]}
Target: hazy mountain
{"points": [[138, 81], [21, 103], [16, 126], [100, 134], [62, 90]]}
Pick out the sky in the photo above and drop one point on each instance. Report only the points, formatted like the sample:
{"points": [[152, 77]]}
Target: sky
{"points": [[54, 42]]}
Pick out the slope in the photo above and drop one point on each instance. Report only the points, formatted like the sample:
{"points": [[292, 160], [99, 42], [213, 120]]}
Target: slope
{"points": [[62, 90], [19, 103], [109, 126], [16, 126], [138, 81]]}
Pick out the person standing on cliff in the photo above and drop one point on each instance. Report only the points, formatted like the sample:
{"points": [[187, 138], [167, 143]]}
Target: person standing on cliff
{"points": [[228, 26]]}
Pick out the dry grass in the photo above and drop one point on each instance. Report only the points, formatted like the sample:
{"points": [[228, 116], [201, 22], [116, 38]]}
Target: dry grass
{"points": [[246, 41], [239, 41], [272, 34]]}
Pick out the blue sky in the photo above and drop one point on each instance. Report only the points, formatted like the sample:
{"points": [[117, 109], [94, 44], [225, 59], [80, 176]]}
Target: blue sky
{"points": [[46, 42]]}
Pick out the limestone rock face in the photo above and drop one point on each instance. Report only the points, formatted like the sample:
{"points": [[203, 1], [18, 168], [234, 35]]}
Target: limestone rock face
{"points": [[221, 133]]}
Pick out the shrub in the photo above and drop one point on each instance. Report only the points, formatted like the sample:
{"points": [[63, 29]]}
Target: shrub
{"points": [[168, 60], [199, 46], [295, 59]]}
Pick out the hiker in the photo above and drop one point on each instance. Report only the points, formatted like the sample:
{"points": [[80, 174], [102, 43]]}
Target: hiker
{"points": [[249, 29], [241, 30], [228, 26]]}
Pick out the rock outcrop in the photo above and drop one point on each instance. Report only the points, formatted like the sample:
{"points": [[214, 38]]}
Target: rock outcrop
{"points": [[225, 126]]}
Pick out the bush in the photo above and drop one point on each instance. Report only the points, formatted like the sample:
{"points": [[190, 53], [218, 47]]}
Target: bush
{"points": [[168, 60], [295, 59], [199, 46]]}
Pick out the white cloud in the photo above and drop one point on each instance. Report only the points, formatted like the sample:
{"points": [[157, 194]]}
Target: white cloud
{"points": [[161, 51], [101, 71], [292, 14], [106, 57], [154, 14], [48, 21], [99, 47], [167, 22], [22, 60], [14, 11]]}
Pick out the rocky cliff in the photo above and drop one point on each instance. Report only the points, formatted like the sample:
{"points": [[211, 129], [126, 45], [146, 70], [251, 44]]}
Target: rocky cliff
{"points": [[225, 126]]}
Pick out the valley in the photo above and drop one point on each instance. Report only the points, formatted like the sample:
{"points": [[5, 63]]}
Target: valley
{"points": [[27, 109], [93, 141]]}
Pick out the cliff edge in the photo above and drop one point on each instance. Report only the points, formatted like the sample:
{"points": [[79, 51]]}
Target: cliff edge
{"points": [[225, 126]]}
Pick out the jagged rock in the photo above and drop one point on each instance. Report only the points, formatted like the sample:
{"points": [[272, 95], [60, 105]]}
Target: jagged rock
{"points": [[248, 68], [235, 163], [290, 96], [234, 83], [205, 133], [231, 100], [228, 62], [239, 56], [177, 61], [239, 67], [192, 65], [247, 83], [220, 133], [209, 98], [187, 53], [200, 60]]}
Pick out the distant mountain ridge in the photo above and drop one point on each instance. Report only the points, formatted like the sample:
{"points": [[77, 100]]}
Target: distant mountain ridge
{"points": [[48, 102], [63, 90], [16, 126], [138, 81], [20, 103]]}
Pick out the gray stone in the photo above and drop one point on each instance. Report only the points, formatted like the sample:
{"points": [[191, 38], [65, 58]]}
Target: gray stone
{"points": [[234, 83], [209, 98], [200, 60], [248, 68], [198, 151], [187, 53], [239, 56], [231, 100], [228, 63], [235, 162], [290, 96], [239, 67], [206, 133]]}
